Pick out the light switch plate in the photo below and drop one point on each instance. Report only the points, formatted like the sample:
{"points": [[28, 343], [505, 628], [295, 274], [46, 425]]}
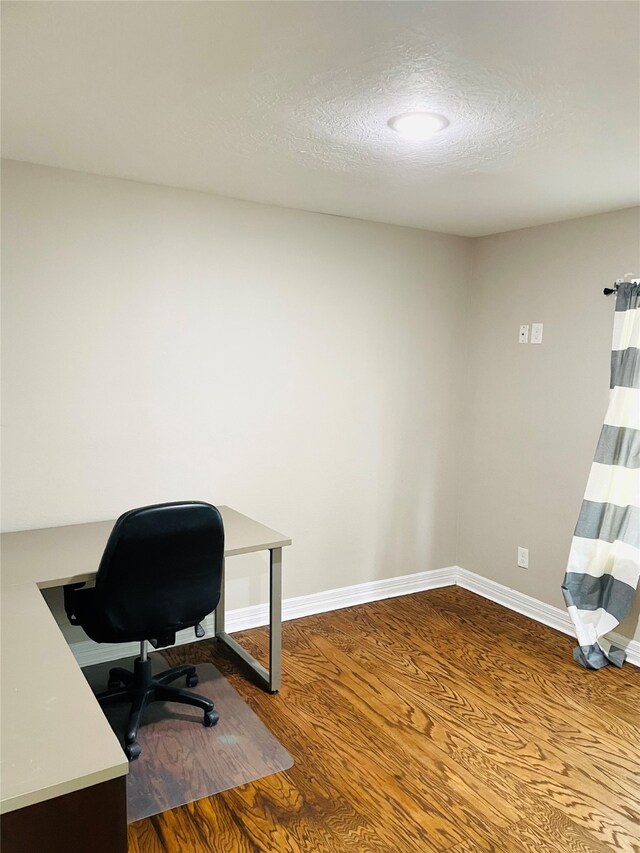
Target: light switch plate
{"points": [[536, 333], [523, 337]]}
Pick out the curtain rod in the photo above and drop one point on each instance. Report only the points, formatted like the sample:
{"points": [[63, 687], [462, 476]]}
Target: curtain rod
{"points": [[626, 280]]}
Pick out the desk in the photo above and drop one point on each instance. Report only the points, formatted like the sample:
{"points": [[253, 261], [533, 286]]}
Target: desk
{"points": [[55, 738]]}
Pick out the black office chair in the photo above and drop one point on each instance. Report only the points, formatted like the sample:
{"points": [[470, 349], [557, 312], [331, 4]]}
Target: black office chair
{"points": [[160, 572]]}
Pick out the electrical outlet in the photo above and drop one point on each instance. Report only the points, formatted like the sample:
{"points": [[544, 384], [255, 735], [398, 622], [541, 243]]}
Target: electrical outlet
{"points": [[523, 558], [523, 337]]}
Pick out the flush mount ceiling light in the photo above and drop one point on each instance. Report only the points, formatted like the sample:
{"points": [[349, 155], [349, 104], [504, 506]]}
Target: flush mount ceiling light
{"points": [[417, 126]]}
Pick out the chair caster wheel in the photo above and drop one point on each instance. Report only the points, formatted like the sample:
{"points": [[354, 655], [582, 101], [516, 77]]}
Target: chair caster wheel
{"points": [[113, 683], [211, 718], [192, 680], [132, 750]]}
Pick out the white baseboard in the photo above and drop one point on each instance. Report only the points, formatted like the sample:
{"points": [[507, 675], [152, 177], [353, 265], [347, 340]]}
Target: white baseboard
{"points": [[554, 617], [244, 618], [363, 593]]}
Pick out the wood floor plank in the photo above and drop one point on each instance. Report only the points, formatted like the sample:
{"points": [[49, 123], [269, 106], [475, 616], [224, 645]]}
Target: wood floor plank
{"points": [[514, 716], [520, 744], [360, 764], [546, 805], [437, 721], [615, 812], [445, 795], [498, 675]]}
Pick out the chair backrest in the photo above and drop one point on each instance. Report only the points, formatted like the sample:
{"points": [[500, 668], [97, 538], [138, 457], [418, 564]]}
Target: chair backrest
{"points": [[162, 568]]}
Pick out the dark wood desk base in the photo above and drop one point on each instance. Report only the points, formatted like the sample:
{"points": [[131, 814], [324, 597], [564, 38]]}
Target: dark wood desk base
{"points": [[92, 819]]}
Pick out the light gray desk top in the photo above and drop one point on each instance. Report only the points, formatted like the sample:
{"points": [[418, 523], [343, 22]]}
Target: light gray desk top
{"points": [[55, 738], [54, 556]]}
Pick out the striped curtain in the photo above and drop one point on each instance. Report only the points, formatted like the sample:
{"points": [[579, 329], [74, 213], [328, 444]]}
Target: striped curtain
{"points": [[604, 561]]}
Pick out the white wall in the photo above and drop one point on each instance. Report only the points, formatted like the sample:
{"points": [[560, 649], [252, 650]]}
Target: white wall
{"points": [[354, 385], [534, 413], [162, 344]]}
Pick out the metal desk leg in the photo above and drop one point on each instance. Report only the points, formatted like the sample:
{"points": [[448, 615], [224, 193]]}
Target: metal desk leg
{"points": [[275, 619], [219, 618], [270, 678]]}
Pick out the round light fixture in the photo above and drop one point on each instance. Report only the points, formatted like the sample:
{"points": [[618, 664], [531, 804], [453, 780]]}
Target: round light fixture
{"points": [[417, 126]]}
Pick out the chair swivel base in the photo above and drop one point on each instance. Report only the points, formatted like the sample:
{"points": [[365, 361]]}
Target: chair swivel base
{"points": [[141, 687]]}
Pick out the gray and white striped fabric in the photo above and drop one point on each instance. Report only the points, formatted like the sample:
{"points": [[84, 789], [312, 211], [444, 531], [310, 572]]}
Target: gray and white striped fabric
{"points": [[604, 562]]}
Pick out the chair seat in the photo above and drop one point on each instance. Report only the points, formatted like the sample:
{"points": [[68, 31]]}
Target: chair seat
{"points": [[83, 608]]}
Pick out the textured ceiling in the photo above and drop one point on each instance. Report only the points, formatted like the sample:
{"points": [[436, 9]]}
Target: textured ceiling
{"points": [[288, 102]]}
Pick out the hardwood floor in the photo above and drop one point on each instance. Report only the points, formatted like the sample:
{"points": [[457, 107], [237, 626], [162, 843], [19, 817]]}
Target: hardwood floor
{"points": [[432, 722]]}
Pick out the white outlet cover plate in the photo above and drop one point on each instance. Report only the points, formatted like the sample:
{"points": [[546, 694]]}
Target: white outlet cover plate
{"points": [[536, 333]]}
